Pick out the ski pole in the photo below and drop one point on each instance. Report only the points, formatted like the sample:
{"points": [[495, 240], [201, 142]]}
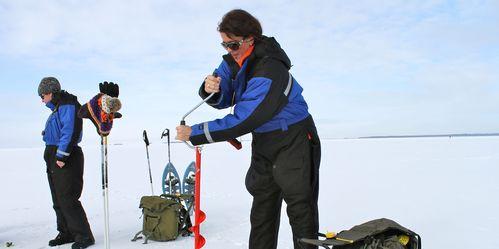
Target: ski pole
{"points": [[146, 140], [166, 133], [105, 192], [168, 177], [102, 118]]}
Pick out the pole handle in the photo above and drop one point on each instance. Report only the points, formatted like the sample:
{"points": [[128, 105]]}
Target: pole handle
{"points": [[144, 136], [166, 133]]}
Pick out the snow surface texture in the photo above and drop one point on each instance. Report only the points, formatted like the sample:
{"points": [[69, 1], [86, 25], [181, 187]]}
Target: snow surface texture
{"points": [[445, 189]]}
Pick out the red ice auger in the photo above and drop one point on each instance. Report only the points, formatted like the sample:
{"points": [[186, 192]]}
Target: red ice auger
{"points": [[199, 215]]}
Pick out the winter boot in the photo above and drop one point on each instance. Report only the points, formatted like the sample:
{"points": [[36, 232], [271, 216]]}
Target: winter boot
{"points": [[84, 243], [61, 239]]}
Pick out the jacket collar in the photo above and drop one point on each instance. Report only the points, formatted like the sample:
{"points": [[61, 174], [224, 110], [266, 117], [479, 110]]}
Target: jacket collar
{"points": [[50, 105]]}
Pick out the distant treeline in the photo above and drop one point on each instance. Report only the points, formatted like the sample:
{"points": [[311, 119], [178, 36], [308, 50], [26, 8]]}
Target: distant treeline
{"points": [[245, 139], [439, 135]]}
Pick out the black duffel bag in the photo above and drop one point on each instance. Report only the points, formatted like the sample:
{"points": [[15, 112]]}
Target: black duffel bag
{"points": [[376, 234]]}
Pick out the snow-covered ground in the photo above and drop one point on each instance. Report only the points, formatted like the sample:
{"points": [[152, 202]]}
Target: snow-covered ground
{"points": [[445, 189]]}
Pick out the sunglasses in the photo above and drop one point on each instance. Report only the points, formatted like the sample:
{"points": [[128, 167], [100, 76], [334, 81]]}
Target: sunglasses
{"points": [[233, 45]]}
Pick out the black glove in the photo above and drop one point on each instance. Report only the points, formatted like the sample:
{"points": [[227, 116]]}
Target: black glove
{"points": [[109, 88]]}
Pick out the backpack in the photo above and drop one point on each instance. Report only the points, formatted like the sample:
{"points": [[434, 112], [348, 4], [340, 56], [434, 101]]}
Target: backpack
{"points": [[376, 234], [164, 218]]}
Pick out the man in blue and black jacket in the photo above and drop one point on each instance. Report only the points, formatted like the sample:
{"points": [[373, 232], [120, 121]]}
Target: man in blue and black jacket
{"points": [[254, 78], [64, 160]]}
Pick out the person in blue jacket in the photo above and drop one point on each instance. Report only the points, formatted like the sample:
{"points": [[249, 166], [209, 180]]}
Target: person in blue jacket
{"points": [[64, 160], [254, 78]]}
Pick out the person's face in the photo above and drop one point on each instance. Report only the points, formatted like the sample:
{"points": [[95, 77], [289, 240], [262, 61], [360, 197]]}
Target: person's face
{"points": [[46, 97], [236, 45]]}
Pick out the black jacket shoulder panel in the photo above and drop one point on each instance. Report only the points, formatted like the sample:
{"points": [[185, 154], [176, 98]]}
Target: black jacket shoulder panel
{"points": [[268, 46], [65, 98], [234, 67]]}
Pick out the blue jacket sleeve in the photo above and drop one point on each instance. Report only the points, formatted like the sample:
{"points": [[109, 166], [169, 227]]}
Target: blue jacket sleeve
{"points": [[70, 131], [259, 103]]}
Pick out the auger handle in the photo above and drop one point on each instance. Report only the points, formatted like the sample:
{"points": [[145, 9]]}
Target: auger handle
{"points": [[234, 142], [182, 121]]}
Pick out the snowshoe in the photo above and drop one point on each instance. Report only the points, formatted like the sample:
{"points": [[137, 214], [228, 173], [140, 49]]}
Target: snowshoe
{"points": [[188, 184], [171, 180]]}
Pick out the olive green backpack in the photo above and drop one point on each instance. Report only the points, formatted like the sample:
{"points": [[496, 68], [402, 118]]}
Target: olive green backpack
{"points": [[164, 218]]}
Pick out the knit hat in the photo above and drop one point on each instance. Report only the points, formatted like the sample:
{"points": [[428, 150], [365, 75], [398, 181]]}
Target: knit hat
{"points": [[109, 104], [48, 85], [101, 110]]}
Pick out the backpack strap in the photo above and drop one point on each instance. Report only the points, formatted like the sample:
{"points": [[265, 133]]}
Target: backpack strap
{"points": [[147, 234], [137, 236]]}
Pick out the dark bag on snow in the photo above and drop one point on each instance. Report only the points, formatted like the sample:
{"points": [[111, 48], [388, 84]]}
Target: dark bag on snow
{"points": [[164, 218], [375, 234]]}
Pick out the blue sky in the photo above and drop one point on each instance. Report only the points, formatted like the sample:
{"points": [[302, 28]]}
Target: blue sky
{"points": [[367, 67]]}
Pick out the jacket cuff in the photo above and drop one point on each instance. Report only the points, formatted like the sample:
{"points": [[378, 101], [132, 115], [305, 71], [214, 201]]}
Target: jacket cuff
{"points": [[62, 156], [200, 131], [198, 140]]}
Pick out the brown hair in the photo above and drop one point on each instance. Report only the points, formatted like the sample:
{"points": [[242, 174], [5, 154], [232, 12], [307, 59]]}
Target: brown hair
{"points": [[240, 23]]}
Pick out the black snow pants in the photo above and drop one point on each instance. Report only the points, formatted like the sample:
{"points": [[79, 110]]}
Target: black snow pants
{"points": [[284, 165], [66, 185]]}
